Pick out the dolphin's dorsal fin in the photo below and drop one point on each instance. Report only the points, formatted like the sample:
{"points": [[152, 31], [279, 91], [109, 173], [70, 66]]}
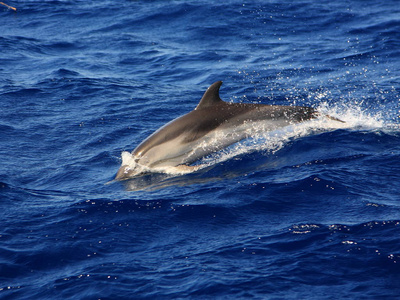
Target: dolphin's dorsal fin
{"points": [[211, 96]]}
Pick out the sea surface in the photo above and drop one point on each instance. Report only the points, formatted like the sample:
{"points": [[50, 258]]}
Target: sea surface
{"points": [[311, 211]]}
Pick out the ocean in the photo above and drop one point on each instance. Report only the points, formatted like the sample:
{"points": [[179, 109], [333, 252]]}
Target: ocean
{"points": [[311, 211]]}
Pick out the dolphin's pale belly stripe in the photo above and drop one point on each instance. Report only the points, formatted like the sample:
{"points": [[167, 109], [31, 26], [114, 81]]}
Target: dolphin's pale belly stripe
{"points": [[212, 126], [176, 152], [226, 136]]}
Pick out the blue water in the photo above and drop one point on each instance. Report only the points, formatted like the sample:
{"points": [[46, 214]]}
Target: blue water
{"points": [[310, 213]]}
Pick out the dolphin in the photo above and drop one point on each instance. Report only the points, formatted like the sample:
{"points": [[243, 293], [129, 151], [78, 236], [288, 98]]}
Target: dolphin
{"points": [[210, 127]]}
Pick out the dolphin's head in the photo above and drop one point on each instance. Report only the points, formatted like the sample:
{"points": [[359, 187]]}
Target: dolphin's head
{"points": [[125, 172], [129, 168]]}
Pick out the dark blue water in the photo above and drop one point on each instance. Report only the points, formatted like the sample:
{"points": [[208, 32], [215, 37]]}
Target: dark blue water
{"points": [[310, 213]]}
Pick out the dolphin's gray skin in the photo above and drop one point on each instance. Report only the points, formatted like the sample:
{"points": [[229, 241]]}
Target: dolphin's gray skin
{"points": [[211, 126]]}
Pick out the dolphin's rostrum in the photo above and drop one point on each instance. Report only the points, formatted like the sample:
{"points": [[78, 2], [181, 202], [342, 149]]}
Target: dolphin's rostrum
{"points": [[211, 126]]}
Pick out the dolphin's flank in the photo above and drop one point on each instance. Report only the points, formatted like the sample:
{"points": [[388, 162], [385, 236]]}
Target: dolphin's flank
{"points": [[211, 126]]}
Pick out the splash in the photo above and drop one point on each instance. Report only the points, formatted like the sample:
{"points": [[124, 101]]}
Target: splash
{"points": [[354, 115]]}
